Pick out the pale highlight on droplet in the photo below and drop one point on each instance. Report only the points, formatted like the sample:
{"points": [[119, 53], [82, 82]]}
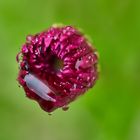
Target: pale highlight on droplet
{"points": [[38, 87]]}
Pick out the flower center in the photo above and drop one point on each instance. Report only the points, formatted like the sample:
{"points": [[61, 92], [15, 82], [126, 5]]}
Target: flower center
{"points": [[58, 64]]}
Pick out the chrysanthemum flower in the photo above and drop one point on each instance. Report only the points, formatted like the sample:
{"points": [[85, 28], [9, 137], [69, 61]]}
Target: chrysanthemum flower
{"points": [[57, 66]]}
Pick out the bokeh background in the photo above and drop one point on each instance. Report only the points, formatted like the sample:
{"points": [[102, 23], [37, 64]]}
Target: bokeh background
{"points": [[110, 110]]}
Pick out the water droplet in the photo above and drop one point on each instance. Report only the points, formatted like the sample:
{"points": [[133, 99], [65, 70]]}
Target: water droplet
{"points": [[38, 87], [77, 64], [19, 57], [74, 86], [88, 78], [65, 108]]}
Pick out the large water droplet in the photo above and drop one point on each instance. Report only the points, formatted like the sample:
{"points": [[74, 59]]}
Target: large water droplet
{"points": [[38, 87]]}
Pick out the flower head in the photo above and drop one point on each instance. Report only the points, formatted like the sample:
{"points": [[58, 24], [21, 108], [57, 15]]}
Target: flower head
{"points": [[57, 66]]}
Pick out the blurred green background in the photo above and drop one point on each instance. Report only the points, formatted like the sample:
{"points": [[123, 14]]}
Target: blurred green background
{"points": [[110, 110]]}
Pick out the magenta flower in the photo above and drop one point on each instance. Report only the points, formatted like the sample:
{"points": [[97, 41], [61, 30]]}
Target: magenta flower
{"points": [[57, 66]]}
